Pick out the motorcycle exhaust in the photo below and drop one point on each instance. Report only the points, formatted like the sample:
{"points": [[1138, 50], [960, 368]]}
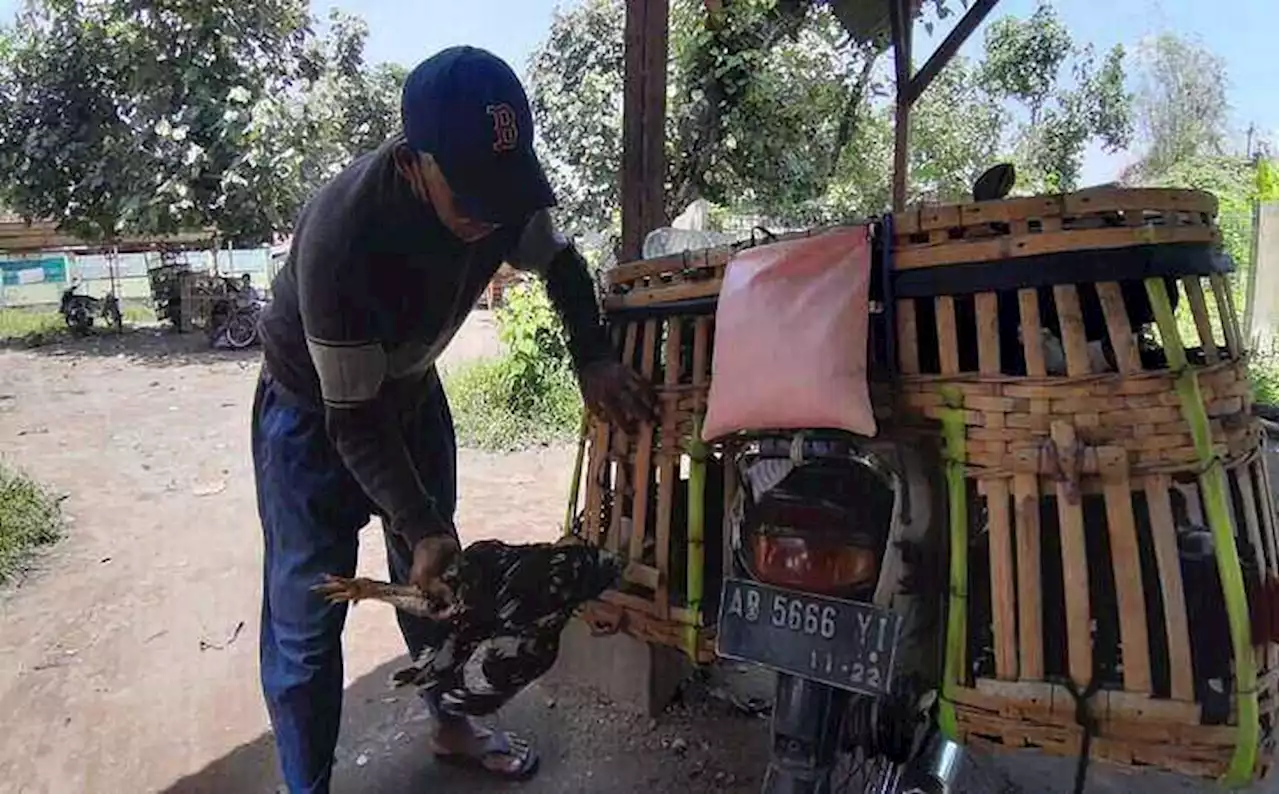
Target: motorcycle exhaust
{"points": [[935, 770]]}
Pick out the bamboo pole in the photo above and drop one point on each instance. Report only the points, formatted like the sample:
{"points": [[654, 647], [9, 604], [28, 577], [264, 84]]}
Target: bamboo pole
{"points": [[954, 454], [576, 485], [1218, 509], [696, 558]]}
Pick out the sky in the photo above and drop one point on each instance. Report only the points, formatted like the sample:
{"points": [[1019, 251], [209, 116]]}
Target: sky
{"points": [[1244, 32]]}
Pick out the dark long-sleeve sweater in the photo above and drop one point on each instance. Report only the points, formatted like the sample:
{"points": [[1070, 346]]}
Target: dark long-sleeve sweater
{"points": [[373, 290]]}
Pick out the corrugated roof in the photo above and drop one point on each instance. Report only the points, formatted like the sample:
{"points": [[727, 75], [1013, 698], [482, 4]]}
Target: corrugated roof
{"points": [[866, 20], [18, 236]]}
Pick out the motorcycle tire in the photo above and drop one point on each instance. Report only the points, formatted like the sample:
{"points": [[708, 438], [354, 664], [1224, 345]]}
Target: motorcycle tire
{"points": [[858, 773], [80, 322], [241, 331], [111, 313], [884, 764]]}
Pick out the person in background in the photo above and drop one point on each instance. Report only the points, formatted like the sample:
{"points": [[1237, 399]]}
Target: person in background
{"points": [[247, 290]]}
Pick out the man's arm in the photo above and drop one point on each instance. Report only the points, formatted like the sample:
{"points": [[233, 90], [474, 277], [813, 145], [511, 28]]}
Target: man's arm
{"points": [[609, 388], [359, 414], [543, 250]]}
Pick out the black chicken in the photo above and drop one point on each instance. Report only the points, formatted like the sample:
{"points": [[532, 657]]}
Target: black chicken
{"points": [[510, 604]]}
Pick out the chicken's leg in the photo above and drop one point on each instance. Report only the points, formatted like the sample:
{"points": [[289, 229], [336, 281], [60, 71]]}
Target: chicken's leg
{"points": [[405, 597]]}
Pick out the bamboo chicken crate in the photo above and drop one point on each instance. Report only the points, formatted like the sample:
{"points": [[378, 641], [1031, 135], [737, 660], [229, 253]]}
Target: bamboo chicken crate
{"points": [[1112, 530]]}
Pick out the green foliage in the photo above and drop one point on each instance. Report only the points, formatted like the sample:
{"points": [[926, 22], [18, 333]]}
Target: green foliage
{"points": [[34, 326], [575, 92], [30, 328], [785, 127], [1233, 180], [1181, 102], [1027, 61], [116, 119], [758, 88], [1024, 57], [533, 338], [773, 110], [486, 413], [527, 396], [297, 139], [1182, 114], [1266, 181], [1264, 375], [29, 518], [955, 134]]}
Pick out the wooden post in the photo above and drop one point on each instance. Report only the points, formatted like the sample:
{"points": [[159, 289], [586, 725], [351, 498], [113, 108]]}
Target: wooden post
{"points": [[644, 110], [900, 25]]}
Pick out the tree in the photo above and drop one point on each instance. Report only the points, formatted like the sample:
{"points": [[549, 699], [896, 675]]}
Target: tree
{"points": [[753, 78], [1181, 102], [782, 108], [1025, 61], [575, 92], [297, 139], [122, 118], [956, 132], [118, 118], [720, 93], [956, 128], [772, 107]]}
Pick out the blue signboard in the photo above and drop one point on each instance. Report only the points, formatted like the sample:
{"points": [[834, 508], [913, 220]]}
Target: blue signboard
{"points": [[16, 272]]}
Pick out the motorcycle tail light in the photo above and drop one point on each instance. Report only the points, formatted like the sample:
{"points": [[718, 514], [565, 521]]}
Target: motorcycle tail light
{"points": [[811, 545], [821, 529], [829, 566]]}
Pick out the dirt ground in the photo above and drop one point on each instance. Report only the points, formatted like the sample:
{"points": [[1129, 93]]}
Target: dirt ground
{"points": [[128, 658]]}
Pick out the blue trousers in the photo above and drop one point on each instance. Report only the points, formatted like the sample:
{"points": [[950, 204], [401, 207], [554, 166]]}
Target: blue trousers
{"points": [[311, 510]]}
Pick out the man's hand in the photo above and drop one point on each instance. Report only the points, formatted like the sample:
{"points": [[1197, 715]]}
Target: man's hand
{"points": [[616, 393], [432, 556]]}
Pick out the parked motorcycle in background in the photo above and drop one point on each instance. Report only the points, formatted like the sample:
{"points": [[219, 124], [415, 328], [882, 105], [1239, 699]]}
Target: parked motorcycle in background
{"points": [[234, 319], [79, 310]]}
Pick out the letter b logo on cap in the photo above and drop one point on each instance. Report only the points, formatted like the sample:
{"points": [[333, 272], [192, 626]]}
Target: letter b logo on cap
{"points": [[506, 133]]}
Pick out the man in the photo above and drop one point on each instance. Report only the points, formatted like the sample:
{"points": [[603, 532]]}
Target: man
{"points": [[349, 418], [247, 290]]}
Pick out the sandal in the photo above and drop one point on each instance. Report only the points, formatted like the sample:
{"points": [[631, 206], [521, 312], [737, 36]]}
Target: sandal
{"points": [[497, 749]]}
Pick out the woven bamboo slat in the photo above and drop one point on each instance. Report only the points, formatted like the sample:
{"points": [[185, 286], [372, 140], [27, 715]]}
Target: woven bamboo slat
{"points": [[937, 236], [1026, 491], [636, 502], [1156, 489]]}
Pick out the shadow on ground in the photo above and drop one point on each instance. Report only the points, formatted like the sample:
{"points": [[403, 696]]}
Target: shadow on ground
{"points": [[588, 746], [153, 346]]}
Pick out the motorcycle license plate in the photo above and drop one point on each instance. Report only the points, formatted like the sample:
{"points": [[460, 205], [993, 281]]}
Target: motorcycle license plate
{"points": [[844, 644]]}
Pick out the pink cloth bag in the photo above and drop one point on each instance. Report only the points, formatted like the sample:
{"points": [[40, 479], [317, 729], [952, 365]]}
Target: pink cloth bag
{"points": [[791, 338]]}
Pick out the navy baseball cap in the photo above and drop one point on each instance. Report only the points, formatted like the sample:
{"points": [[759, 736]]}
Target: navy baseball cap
{"points": [[466, 107]]}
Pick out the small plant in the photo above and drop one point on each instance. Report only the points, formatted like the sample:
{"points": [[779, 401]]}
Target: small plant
{"points": [[29, 518], [534, 341], [527, 396]]}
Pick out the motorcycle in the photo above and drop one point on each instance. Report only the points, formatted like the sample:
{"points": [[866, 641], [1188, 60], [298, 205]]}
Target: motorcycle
{"points": [[234, 321], [79, 310], [838, 582], [834, 530]]}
